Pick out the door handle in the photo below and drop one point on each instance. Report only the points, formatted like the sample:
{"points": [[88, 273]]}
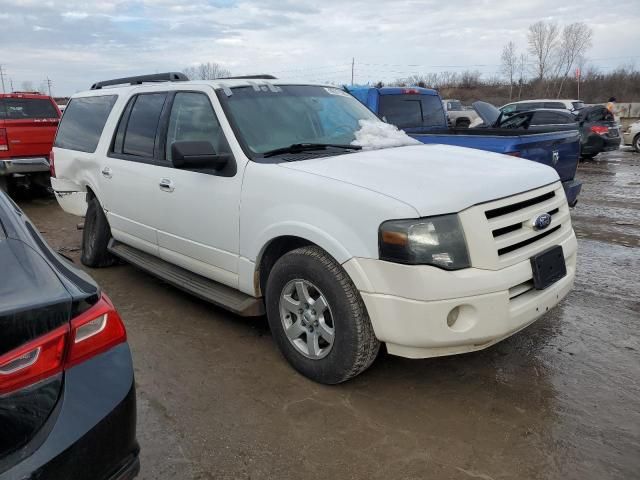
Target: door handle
{"points": [[107, 172], [166, 185]]}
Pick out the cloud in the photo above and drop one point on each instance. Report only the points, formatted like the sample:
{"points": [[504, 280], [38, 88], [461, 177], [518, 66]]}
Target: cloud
{"points": [[75, 42]]}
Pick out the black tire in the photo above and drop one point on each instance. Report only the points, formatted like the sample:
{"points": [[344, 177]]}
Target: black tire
{"points": [[95, 237], [588, 156], [463, 123], [355, 345], [4, 184], [636, 143]]}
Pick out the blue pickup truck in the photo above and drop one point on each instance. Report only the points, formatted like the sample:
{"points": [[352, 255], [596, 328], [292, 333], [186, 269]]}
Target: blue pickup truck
{"points": [[420, 113]]}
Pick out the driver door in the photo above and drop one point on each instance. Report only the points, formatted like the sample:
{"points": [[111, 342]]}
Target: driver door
{"points": [[199, 222]]}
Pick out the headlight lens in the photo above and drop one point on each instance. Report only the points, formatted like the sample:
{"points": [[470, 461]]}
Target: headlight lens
{"points": [[437, 241]]}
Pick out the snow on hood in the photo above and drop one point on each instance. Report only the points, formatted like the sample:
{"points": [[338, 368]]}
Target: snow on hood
{"points": [[374, 135]]}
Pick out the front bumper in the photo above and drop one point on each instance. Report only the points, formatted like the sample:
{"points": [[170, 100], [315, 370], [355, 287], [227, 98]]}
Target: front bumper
{"points": [[23, 165], [409, 305]]}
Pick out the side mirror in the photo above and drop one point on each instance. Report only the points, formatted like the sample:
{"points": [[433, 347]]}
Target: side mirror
{"points": [[197, 155]]}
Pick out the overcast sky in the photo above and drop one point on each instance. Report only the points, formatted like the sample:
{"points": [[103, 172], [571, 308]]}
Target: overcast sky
{"points": [[76, 43]]}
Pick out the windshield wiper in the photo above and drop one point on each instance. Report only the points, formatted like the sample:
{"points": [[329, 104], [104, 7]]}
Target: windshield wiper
{"points": [[306, 147]]}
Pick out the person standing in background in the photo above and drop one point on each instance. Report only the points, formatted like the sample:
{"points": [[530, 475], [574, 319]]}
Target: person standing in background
{"points": [[611, 104]]}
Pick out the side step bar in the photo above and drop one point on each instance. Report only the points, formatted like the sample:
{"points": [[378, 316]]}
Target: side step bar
{"points": [[202, 287]]}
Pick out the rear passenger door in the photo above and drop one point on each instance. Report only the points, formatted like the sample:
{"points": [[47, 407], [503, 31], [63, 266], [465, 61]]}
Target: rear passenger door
{"points": [[199, 225], [130, 172]]}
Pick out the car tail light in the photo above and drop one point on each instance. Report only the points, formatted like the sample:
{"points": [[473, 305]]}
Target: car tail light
{"points": [[35, 361], [410, 91], [52, 166], [93, 332], [4, 141], [600, 130]]}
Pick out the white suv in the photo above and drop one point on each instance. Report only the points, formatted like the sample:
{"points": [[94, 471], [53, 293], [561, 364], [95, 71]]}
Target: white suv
{"points": [[256, 195]]}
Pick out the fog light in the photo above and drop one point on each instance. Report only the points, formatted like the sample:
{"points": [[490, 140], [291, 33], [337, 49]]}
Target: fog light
{"points": [[452, 318]]}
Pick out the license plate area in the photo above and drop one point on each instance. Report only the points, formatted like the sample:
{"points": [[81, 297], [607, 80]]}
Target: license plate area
{"points": [[548, 267]]}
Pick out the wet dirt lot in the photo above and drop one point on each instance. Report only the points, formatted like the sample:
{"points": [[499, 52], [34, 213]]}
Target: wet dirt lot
{"points": [[560, 399]]}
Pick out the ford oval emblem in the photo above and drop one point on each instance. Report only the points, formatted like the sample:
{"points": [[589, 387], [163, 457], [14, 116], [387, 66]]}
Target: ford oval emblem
{"points": [[542, 221]]}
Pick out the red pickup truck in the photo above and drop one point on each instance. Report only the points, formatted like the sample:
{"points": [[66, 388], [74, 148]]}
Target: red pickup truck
{"points": [[28, 123]]}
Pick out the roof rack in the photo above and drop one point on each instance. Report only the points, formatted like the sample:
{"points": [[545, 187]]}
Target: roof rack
{"points": [[155, 77], [263, 76]]}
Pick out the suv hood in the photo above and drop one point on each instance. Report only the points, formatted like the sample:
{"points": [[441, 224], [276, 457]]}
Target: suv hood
{"points": [[433, 179]]}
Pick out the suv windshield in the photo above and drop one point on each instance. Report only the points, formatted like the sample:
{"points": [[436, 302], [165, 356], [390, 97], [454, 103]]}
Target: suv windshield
{"points": [[274, 117], [412, 111], [454, 106]]}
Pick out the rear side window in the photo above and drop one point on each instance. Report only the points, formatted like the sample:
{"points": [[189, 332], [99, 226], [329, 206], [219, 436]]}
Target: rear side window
{"points": [[26, 108], [83, 121], [140, 132], [551, 118], [556, 105], [412, 111]]}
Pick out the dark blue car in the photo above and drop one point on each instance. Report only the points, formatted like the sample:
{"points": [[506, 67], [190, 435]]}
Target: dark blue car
{"points": [[67, 395]]}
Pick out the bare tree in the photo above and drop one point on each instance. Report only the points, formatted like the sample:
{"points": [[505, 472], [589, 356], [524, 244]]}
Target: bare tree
{"points": [[576, 40], [543, 38], [509, 64], [206, 71], [522, 68]]}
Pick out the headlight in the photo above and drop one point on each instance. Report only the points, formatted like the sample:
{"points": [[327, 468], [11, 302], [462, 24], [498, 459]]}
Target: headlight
{"points": [[437, 241]]}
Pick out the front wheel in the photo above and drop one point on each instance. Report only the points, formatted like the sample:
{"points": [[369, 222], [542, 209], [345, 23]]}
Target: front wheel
{"points": [[95, 237], [317, 317]]}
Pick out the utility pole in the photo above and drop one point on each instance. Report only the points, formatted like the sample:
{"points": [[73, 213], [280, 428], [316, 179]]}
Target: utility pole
{"points": [[353, 62], [49, 85], [2, 77]]}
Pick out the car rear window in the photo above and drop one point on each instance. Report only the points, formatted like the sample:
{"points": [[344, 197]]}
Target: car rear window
{"points": [[558, 105], [577, 105], [83, 121], [25, 108]]}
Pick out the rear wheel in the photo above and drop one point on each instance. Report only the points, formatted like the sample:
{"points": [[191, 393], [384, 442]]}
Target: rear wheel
{"points": [[317, 317], [463, 123], [636, 143], [588, 156], [95, 237]]}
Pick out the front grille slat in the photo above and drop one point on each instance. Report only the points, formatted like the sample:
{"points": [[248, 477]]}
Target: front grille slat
{"points": [[500, 211], [528, 241]]}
